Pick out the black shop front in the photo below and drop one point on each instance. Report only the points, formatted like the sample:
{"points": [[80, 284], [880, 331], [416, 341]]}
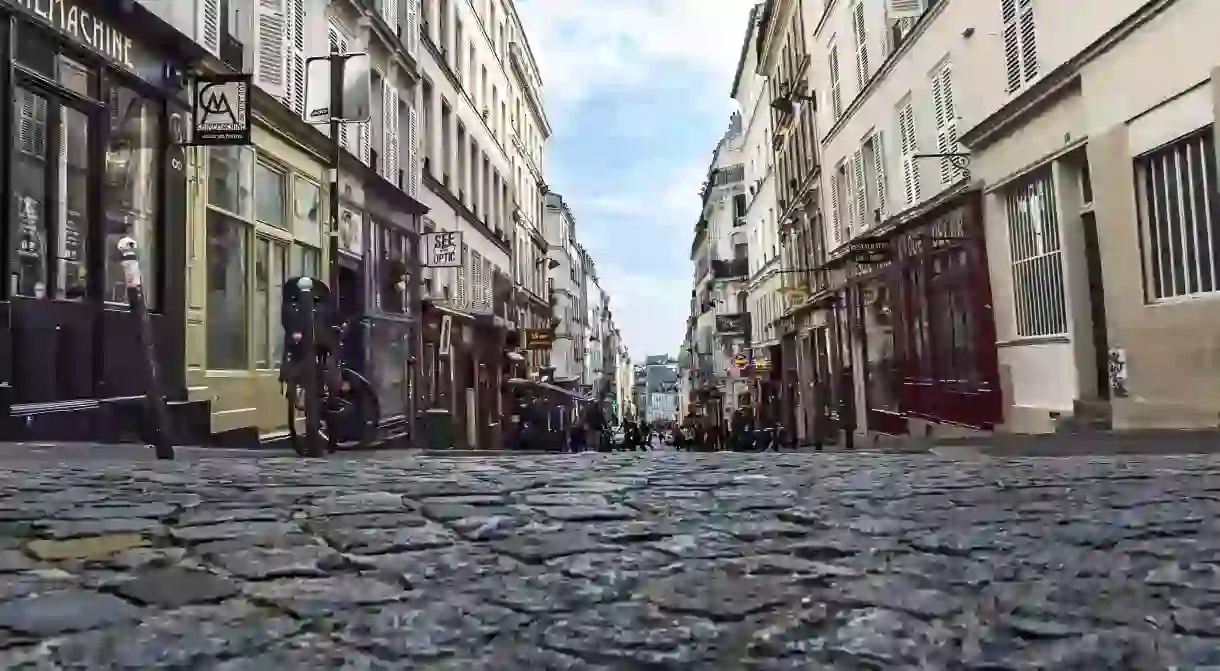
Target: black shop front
{"points": [[92, 130]]}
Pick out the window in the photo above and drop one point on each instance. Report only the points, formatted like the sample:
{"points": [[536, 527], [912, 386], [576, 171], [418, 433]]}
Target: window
{"points": [[1037, 266], [307, 262], [227, 301], [132, 171], [307, 210], [392, 274], [839, 204], [1020, 48], [910, 147], [836, 90], [270, 273], [874, 172], [269, 196], [231, 179], [946, 120], [30, 164], [1176, 189]]}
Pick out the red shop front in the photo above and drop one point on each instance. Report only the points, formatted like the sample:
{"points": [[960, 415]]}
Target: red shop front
{"points": [[922, 312]]}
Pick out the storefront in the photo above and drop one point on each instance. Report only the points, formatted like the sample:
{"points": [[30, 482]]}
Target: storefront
{"points": [[919, 308], [392, 334], [258, 222], [93, 131]]}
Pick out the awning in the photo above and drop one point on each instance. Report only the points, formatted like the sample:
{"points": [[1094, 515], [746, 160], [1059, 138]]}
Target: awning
{"points": [[528, 384]]}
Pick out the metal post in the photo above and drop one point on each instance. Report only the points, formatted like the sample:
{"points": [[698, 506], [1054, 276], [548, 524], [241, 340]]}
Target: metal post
{"points": [[309, 369], [154, 401], [336, 155]]}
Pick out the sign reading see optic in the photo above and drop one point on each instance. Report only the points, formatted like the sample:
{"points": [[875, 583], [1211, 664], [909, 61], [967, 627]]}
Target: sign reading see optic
{"points": [[442, 249]]}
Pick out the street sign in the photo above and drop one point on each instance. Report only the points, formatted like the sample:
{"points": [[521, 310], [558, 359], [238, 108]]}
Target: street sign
{"points": [[356, 103], [443, 249], [221, 110], [741, 360]]}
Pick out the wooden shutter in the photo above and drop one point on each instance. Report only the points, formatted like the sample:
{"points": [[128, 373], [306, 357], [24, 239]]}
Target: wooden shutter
{"points": [[861, 35], [390, 133], [337, 36], [412, 181], [859, 190], [366, 143], [946, 121], [909, 147], [476, 277], [879, 171], [411, 27], [294, 95], [33, 127], [836, 208], [271, 47], [836, 92], [207, 25]]}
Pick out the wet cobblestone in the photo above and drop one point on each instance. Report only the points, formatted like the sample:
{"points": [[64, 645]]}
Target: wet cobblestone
{"points": [[608, 562]]}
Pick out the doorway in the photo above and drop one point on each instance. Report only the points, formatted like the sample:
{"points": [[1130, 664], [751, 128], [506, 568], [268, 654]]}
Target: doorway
{"points": [[1097, 305]]}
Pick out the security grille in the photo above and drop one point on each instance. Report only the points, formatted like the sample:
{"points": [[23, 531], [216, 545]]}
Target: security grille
{"points": [[1037, 263]]}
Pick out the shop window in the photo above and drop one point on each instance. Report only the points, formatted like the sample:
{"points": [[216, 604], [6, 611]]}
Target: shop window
{"points": [[270, 268], [269, 195], [308, 262], [29, 274], [73, 202], [391, 272], [227, 304], [130, 194], [307, 210], [231, 179]]}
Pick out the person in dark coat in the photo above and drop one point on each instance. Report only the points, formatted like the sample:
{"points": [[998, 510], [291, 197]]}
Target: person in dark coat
{"points": [[595, 423]]}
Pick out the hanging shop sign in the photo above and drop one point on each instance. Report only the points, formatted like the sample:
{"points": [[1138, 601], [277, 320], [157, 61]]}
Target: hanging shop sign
{"points": [[442, 249], [539, 339], [741, 360], [221, 110]]}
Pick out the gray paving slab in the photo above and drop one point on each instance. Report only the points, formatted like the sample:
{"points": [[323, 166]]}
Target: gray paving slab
{"points": [[663, 560]]}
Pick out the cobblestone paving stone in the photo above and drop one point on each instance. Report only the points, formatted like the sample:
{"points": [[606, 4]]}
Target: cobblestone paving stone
{"points": [[660, 561]]}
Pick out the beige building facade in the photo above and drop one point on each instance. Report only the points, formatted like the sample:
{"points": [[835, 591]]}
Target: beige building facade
{"points": [[1098, 155]]}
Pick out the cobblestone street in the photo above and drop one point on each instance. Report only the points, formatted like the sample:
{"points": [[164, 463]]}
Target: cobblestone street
{"points": [[658, 561]]}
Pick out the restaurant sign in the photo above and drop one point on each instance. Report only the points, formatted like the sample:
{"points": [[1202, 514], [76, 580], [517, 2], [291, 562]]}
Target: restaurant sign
{"points": [[539, 338], [222, 109]]}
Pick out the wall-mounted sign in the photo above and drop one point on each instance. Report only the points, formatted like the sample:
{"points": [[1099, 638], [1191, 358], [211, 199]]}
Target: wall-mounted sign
{"points": [[221, 110], [445, 335], [442, 249], [741, 360], [539, 339]]}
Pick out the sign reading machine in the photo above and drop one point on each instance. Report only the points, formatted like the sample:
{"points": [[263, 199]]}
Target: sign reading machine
{"points": [[221, 110], [442, 249]]}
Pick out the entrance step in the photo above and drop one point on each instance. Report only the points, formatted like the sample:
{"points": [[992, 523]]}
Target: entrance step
{"points": [[109, 421], [1087, 416]]}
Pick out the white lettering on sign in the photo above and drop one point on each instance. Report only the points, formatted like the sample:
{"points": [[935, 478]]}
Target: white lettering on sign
{"points": [[442, 249], [83, 27]]}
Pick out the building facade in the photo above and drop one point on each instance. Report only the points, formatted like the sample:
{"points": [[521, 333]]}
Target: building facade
{"points": [[719, 323], [567, 353]]}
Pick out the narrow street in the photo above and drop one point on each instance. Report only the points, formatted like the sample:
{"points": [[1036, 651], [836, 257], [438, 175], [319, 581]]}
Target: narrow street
{"points": [[627, 561]]}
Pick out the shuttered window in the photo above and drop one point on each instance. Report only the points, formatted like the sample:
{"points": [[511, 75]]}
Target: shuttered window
{"points": [[909, 145], [390, 132], [836, 89], [1020, 42], [861, 34], [294, 94], [207, 25], [946, 121], [271, 47]]}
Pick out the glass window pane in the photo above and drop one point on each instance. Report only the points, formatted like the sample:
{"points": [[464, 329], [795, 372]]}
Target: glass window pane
{"points": [[262, 305], [76, 77], [29, 272], [269, 195], [73, 202], [307, 261], [279, 275], [227, 295], [230, 176], [35, 52], [307, 211], [132, 171]]}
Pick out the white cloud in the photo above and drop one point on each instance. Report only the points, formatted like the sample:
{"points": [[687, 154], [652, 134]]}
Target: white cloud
{"points": [[588, 45], [649, 309]]}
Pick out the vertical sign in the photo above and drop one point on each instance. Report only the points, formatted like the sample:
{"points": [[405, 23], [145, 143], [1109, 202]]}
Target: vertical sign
{"points": [[446, 331]]}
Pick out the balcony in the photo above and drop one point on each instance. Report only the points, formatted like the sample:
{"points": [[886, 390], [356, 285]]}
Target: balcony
{"points": [[736, 268]]}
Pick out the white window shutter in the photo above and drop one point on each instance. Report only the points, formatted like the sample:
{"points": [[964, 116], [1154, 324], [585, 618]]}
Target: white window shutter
{"points": [[295, 67], [271, 47], [909, 147], [863, 216], [849, 191], [836, 207], [861, 34], [412, 152], [392, 142], [207, 25], [879, 171], [836, 93], [411, 27], [365, 141], [904, 9]]}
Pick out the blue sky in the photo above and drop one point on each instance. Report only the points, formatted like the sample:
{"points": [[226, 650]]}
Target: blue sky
{"points": [[637, 92]]}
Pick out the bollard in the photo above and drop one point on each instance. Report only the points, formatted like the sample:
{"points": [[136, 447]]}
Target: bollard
{"points": [[309, 371], [154, 401]]}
